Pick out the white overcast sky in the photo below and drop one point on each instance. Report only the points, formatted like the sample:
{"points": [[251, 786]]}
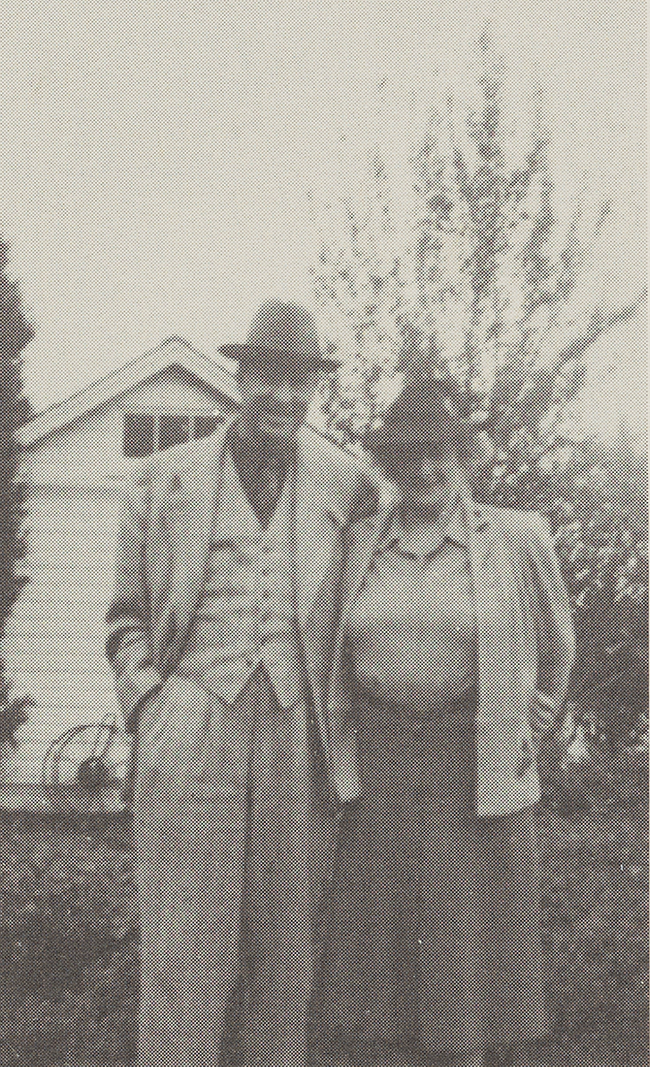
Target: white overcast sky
{"points": [[155, 157]]}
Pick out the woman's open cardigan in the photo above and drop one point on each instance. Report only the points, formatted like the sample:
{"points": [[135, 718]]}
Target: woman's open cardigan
{"points": [[526, 647]]}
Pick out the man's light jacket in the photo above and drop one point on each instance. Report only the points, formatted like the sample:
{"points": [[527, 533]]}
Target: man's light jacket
{"points": [[174, 509]]}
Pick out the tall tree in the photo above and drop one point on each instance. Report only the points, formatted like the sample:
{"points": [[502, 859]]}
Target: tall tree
{"points": [[358, 287], [487, 285], [490, 288], [15, 334]]}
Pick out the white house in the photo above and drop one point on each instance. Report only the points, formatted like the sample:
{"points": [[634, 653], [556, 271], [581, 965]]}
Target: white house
{"points": [[77, 456]]}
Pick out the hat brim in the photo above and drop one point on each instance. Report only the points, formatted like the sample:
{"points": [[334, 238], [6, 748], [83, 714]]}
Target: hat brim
{"points": [[247, 355]]}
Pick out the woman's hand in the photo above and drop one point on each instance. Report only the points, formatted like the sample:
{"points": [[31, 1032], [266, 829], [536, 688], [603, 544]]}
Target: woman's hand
{"points": [[543, 715], [542, 718]]}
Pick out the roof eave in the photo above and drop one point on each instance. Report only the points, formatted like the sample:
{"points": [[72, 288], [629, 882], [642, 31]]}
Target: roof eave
{"points": [[173, 352]]}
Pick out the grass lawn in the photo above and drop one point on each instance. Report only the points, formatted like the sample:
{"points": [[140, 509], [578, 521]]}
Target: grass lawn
{"points": [[68, 944]]}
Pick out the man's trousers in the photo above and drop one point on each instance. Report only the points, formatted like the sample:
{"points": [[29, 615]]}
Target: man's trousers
{"points": [[233, 841]]}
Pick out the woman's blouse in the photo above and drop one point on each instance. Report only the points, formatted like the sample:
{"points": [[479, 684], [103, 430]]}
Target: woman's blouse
{"points": [[412, 631]]}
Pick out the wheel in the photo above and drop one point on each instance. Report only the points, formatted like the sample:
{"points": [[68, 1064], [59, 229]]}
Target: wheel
{"points": [[85, 764]]}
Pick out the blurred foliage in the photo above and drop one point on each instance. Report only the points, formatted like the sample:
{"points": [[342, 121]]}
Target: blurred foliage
{"points": [[600, 518], [488, 286], [13, 714], [68, 944], [15, 334], [595, 497]]}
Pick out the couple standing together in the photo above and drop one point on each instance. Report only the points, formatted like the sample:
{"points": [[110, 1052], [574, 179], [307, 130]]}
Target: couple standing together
{"points": [[336, 709]]}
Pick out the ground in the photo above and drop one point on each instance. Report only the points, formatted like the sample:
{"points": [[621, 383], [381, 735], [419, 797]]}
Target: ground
{"points": [[68, 943]]}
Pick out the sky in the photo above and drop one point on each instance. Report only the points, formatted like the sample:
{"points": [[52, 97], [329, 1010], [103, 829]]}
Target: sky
{"points": [[156, 158]]}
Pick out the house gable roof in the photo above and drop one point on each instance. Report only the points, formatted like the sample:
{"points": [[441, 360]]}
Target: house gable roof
{"points": [[174, 351]]}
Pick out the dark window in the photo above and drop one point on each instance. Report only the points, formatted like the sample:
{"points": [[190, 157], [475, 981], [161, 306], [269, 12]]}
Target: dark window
{"points": [[173, 430], [205, 424], [139, 434], [145, 433]]}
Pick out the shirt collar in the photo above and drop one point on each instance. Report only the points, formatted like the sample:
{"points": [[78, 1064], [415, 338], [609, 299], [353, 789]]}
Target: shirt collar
{"points": [[450, 526]]}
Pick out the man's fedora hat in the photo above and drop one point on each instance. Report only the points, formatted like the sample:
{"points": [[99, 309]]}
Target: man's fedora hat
{"points": [[428, 410], [281, 335]]}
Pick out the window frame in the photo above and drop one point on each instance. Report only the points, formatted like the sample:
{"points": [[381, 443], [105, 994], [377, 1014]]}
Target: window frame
{"points": [[193, 416]]}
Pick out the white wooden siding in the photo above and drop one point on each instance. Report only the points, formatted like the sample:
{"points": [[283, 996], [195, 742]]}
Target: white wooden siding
{"points": [[89, 450], [53, 643]]}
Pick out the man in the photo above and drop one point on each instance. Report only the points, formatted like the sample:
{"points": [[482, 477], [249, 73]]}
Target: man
{"points": [[220, 631]]}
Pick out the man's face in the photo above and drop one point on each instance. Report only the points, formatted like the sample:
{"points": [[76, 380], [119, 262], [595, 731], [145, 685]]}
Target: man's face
{"points": [[275, 399]]}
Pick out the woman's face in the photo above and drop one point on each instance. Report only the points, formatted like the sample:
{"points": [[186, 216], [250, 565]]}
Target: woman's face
{"points": [[428, 474]]}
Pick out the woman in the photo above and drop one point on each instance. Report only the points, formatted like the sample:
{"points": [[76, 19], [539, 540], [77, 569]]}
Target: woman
{"points": [[453, 657]]}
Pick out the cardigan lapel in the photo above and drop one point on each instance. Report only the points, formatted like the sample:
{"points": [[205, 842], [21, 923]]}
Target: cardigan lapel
{"points": [[367, 535], [493, 599]]}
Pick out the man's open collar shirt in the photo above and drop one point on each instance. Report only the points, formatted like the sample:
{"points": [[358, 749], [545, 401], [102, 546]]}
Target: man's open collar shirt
{"points": [[262, 471]]}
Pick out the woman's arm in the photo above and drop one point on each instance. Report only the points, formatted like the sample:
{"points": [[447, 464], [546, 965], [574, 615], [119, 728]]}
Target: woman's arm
{"points": [[555, 632]]}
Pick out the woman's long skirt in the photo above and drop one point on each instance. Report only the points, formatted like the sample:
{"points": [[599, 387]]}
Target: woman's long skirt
{"points": [[432, 937]]}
